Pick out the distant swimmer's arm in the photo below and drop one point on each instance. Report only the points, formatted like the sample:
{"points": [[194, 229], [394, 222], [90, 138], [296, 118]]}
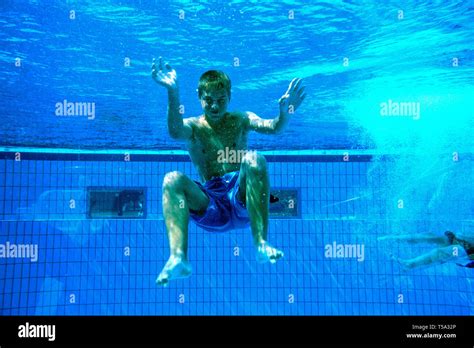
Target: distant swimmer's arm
{"points": [[289, 102], [177, 128]]}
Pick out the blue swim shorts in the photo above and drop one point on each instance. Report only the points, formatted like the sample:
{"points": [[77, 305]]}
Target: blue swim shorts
{"points": [[225, 210]]}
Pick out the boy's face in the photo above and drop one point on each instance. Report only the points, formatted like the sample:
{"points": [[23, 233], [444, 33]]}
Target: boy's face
{"points": [[214, 103]]}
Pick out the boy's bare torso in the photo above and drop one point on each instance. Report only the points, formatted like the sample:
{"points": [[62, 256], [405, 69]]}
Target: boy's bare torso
{"points": [[206, 143]]}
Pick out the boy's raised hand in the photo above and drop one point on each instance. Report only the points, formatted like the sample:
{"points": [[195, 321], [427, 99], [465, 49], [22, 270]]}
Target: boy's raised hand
{"points": [[293, 97], [165, 77]]}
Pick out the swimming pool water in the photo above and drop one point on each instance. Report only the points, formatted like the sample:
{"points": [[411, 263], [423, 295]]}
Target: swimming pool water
{"points": [[352, 56], [381, 145]]}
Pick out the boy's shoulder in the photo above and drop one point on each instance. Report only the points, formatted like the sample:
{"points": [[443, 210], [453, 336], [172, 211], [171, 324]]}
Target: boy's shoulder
{"points": [[193, 120], [238, 120], [238, 115]]}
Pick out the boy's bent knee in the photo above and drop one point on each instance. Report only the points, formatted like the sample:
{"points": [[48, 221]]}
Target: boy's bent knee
{"points": [[254, 161], [174, 180]]}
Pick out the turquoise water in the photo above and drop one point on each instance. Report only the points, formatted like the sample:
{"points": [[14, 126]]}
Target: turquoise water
{"points": [[103, 56], [391, 81]]}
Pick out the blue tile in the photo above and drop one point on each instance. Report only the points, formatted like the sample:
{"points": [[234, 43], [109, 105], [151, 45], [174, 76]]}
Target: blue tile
{"points": [[89, 251]]}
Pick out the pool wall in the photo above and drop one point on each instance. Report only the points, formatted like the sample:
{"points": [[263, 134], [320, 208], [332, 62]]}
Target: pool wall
{"points": [[109, 266]]}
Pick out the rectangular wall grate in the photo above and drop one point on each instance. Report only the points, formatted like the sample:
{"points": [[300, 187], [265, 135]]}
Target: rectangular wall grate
{"points": [[284, 203], [116, 203]]}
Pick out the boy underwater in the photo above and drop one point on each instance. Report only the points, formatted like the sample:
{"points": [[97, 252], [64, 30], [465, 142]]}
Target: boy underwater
{"points": [[235, 190]]}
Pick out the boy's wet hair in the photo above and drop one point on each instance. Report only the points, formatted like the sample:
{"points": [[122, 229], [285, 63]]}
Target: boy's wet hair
{"points": [[214, 80]]}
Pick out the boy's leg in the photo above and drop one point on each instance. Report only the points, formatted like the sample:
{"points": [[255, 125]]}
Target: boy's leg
{"points": [[416, 238], [438, 255], [254, 190], [179, 195]]}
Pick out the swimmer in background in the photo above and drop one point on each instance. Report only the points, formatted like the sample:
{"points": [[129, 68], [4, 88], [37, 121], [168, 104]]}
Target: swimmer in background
{"points": [[450, 248], [231, 194]]}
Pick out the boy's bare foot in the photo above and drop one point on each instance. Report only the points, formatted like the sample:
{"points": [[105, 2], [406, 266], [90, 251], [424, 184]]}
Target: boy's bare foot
{"points": [[175, 268], [265, 253]]}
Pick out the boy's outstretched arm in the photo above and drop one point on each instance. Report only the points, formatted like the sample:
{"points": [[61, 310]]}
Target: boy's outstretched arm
{"points": [[289, 102], [168, 78]]}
